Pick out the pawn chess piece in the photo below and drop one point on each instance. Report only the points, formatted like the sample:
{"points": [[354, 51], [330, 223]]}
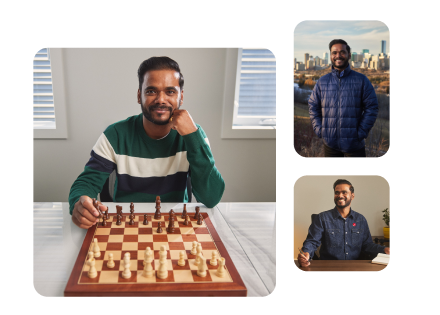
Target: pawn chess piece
{"points": [[201, 271], [148, 259], [91, 262], [104, 219], [96, 249], [145, 219], [221, 272], [157, 214], [184, 213], [194, 248], [197, 213], [110, 262], [159, 227], [186, 222], [126, 274], [199, 254], [199, 219], [162, 272], [213, 261], [181, 261], [118, 219]]}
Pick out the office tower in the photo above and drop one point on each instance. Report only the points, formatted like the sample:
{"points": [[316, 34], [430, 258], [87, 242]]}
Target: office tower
{"points": [[325, 56], [384, 47], [310, 64], [306, 58], [353, 56], [365, 51]]}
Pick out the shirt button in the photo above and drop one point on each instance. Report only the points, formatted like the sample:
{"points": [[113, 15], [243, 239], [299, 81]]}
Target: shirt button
{"points": [[345, 232], [346, 253], [346, 243]]}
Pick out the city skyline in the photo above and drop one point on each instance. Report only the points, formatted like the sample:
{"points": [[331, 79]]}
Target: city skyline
{"points": [[313, 37]]}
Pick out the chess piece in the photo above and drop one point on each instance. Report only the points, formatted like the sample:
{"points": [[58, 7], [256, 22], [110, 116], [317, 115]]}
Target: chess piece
{"points": [[194, 248], [170, 228], [162, 272], [213, 261], [110, 262], [96, 249], [199, 254], [181, 261], [119, 210], [201, 271], [91, 262], [126, 273], [131, 217], [157, 214], [107, 215], [96, 205], [148, 259], [145, 219], [199, 219], [184, 212], [171, 213], [186, 222], [104, 220], [118, 219], [197, 213], [159, 227], [221, 272]]}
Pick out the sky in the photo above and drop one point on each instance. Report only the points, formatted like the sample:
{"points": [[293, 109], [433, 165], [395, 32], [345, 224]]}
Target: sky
{"points": [[313, 37]]}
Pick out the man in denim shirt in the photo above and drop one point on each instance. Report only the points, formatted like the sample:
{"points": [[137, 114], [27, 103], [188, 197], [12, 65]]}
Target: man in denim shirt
{"points": [[342, 233]]}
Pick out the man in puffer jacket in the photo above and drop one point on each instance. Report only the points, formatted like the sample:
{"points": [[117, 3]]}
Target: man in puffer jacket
{"points": [[343, 106]]}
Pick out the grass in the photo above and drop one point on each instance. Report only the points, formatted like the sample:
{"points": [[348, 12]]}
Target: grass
{"points": [[307, 144]]}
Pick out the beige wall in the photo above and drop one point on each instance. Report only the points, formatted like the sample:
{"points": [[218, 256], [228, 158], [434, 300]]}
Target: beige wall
{"points": [[314, 194], [101, 87]]}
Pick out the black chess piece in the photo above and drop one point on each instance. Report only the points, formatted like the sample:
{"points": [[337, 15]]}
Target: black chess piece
{"points": [[145, 219], [184, 212], [118, 219], [199, 219], [197, 213], [159, 227]]}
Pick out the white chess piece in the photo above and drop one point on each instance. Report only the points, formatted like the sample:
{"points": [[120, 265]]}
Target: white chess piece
{"points": [[162, 272], [91, 262], [201, 271], [110, 262], [96, 250], [199, 254], [213, 261], [148, 259], [126, 273], [221, 271], [181, 261], [194, 248]]}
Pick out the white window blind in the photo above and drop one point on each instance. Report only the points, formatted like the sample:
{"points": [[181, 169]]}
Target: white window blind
{"points": [[255, 96], [44, 110]]}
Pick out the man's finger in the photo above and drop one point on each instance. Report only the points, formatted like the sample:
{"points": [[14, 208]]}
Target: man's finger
{"points": [[86, 213], [87, 203], [78, 223], [82, 219]]}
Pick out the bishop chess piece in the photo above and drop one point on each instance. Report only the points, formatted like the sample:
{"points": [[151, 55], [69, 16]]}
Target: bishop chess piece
{"points": [[145, 219], [96, 249], [184, 213], [157, 214], [197, 213], [162, 272], [148, 259], [159, 227]]}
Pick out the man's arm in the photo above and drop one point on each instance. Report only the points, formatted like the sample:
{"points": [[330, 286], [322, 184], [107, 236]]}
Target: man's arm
{"points": [[314, 237], [315, 110], [371, 109], [206, 181], [368, 244]]}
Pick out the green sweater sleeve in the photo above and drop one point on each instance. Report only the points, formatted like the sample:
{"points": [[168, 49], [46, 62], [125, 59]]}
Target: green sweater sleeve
{"points": [[207, 183]]}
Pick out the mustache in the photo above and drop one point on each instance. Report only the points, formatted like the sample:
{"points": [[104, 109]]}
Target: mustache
{"points": [[158, 106]]}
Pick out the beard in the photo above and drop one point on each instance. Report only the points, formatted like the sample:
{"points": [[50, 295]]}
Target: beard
{"points": [[344, 65], [146, 111], [347, 203]]}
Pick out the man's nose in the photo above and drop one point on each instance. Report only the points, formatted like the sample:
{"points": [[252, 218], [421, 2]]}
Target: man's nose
{"points": [[160, 98]]}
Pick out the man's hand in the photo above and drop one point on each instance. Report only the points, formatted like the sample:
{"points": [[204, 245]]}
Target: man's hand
{"points": [[182, 122], [304, 259], [84, 213], [387, 250]]}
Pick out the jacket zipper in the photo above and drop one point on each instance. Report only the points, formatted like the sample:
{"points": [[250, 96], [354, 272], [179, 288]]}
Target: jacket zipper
{"points": [[339, 110]]}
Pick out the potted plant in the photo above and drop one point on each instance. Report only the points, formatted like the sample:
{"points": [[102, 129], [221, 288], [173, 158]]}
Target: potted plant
{"points": [[386, 218]]}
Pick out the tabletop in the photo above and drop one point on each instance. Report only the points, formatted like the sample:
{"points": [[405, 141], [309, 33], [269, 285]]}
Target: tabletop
{"points": [[341, 265], [246, 229]]}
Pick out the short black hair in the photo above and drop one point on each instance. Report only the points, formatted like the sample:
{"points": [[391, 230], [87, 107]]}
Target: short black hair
{"points": [[343, 181], [159, 63], [338, 41]]}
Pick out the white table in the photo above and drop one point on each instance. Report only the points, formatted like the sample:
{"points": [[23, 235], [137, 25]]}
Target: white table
{"points": [[246, 229]]}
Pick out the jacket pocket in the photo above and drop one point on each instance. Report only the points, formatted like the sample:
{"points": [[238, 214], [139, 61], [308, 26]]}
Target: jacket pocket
{"points": [[333, 238], [356, 236]]}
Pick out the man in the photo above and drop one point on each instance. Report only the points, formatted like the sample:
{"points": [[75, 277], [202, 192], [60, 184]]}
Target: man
{"points": [[343, 106], [153, 153], [342, 233]]}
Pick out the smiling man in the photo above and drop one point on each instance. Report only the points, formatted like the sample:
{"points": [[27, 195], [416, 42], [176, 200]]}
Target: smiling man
{"points": [[153, 153], [343, 106], [342, 233]]}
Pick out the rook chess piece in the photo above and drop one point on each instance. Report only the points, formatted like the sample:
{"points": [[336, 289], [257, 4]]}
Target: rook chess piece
{"points": [[194, 248], [184, 212], [91, 262], [201, 271], [157, 214], [181, 261], [110, 262], [159, 227], [221, 272], [199, 219], [145, 219], [162, 272], [126, 273], [186, 222], [213, 261], [96, 249], [148, 259], [197, 213]]}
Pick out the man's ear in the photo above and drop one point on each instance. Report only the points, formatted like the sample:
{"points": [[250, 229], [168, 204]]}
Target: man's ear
{"points": [[139, 96], [181, 99]]}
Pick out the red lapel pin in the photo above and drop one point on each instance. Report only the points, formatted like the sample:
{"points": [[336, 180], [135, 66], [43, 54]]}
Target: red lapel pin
{"points": [[354, 224]]}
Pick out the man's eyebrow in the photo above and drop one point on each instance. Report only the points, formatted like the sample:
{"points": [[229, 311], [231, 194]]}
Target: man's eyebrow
{"points": [[155, 88]]}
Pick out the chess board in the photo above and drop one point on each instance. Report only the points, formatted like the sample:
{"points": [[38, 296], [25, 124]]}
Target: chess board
{"points": [[134, 239]]}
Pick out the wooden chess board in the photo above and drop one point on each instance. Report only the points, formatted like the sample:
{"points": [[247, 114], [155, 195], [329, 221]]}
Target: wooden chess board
{"points": [[181, 280]]}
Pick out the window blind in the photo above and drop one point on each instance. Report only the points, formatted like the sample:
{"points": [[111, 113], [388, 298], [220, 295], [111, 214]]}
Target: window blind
{"points": [[257, 92], [44, 110]]}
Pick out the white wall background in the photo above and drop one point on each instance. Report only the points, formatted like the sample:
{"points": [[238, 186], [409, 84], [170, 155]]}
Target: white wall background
{"points": [[314, 194], [101, 87]]}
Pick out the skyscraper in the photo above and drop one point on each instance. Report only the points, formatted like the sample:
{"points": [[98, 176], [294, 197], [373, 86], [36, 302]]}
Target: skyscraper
{"points": [[306, 58], [365, 51], [384, 47]]}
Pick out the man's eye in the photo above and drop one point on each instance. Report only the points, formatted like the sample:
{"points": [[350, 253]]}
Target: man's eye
{"points": [[171, 92], [149, 92]]}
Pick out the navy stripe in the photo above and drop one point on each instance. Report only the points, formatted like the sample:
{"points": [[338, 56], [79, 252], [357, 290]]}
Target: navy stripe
{"points": [[99, 163], [153, 185]]}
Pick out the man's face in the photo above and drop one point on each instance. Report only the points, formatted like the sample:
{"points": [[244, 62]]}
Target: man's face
{"points": [[339, 56], [343, 196], [160, 95]]}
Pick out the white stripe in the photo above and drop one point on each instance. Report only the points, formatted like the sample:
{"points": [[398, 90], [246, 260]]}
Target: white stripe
{"points": [[207, 141], [141, 167], [105, 149]]}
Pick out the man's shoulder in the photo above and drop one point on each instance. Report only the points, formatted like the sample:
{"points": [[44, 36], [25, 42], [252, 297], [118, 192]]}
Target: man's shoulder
{"points": [[326, 214], [358, 75], [325, 78], [357, 216], [122, 125]]}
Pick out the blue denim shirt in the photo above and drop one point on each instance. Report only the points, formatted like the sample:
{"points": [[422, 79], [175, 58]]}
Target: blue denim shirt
{"points": [[340, 239]]}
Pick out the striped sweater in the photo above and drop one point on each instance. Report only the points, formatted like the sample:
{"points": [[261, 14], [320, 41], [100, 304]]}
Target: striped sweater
{"points": [[146, 168]]}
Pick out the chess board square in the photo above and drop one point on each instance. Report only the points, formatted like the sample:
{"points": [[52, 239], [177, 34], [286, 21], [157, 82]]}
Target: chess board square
{"points": [[109, 276], [183, 276], [155, 223], [186, 230], [103, 231], [189, 238], [133, 277], [115, 268], [143, 245], [156, 264], [189, 255], [211, 267], [204, 238], [175, 265], [181, 225], [215, 278], [116, 238], [114, 225], [191, 264], [157, 245], [85, 278], [175, 254], [133, 254], [134, 225], [145, 230], [164, 231], [170, 277], [160, 238], [179, 218], [115, 231], [145, 238], [117, 255], [201, 230], [133, 264], [131, 231], [102, 238], [129, 246], [130, 238], [114, 246], [142, 279], [140, 264], [156, 254], [101, 257], [174, 238], [176, 231], [98, 264], [194, 224], [176, 246], [208, 245]]}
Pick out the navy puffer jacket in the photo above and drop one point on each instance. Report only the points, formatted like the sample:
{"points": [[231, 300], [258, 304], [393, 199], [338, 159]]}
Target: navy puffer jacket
{"points": [[343, 109]]}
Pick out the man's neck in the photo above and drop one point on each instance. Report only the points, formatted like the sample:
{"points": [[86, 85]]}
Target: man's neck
{"points": [[340, 70], [344, 212], [155, 131]]}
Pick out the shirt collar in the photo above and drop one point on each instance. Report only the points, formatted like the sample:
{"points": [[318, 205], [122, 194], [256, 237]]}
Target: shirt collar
{"points": [[343, 72], [337, 215]]}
